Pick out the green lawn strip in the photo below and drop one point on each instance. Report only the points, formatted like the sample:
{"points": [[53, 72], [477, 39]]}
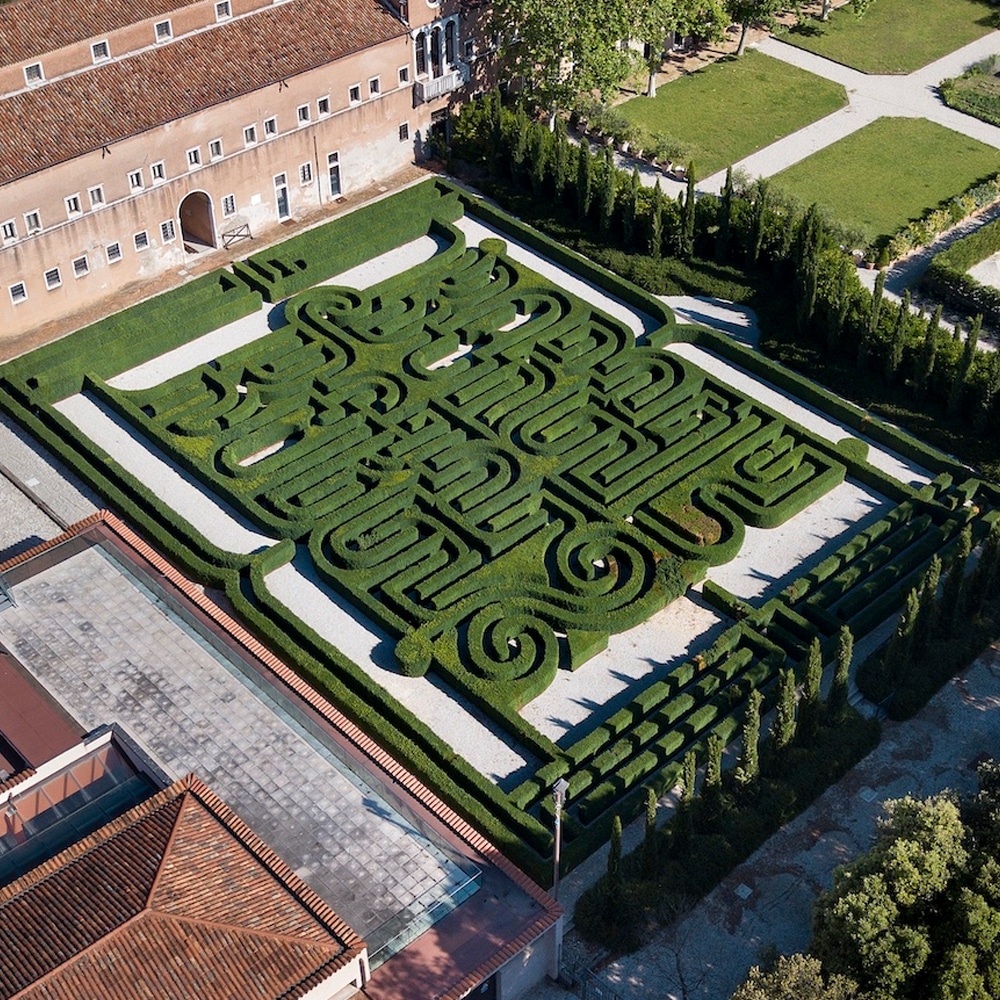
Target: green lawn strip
{"points": [[732, 108], [895, 36], [889, 172]]}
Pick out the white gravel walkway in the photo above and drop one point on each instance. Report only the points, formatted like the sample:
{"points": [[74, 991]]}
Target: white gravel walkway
{"points": [[832, 430], [483, 744]]}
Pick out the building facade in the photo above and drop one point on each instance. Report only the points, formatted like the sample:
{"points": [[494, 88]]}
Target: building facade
{"points": [[142, 135]]}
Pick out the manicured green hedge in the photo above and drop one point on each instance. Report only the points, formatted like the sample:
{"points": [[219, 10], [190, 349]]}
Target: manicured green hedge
{"points": [[948, 280]]}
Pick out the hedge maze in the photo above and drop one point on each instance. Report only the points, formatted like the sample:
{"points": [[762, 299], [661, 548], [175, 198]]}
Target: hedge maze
{"points": [[500, 475]]}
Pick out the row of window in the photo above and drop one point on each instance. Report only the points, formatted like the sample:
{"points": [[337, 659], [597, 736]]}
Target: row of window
{"points": [[158, 172], [168, 229], [100, 51]]}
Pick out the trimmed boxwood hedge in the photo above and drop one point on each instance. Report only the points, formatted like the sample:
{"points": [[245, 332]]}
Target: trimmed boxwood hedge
{"points": [[760, 472]]}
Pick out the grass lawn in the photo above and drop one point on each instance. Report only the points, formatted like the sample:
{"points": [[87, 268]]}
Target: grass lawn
{"points": [[895, 36], [732, 108], [889, 172]]}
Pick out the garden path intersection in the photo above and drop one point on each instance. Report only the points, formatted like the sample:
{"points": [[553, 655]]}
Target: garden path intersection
{"points": [[869, 97]]}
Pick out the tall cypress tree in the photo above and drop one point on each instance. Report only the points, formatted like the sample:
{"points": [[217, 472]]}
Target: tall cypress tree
{"points": [[783, 727], [630, 208], [964, 366], [809, 710], [725, 219], [842, 672], [928, 621], [584, 181], [689, 772], [687, 216], [898, 651], [759, 203], [656, 223], [870, 331], [987, 574], [928, 352], [607, 191], [897, 339], [615, 852], [559, 161], [748, 769], [805, 254], [518, 141], [649, 852], [953, 592], [539, 140]]}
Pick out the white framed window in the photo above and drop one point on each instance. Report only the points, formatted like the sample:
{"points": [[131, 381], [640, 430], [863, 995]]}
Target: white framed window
{"points": [[113, 251], [33, 222], [96, 195], [323, 106], [73, 207], [333, 170], [215, 149], [53, 279], [135, 180], [8, 230], [34, 74], [81, 267], [302, 114], [164, 32], [229, 205], [140, 241], [305, 173], [158, 172], [223, 10], [18, 292], [374, 86], [354, 93], [270, 128], [404, 132], [194, 157], [250, 135], [281, 196], [168, 231], [404, 75], [100, 51], [470, 48]]}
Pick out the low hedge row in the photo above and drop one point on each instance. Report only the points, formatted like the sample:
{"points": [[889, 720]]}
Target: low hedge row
{"points": [[948, 280]]}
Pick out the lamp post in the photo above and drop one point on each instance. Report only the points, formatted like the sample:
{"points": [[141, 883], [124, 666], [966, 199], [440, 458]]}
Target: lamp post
{"points": [[559, 791]]}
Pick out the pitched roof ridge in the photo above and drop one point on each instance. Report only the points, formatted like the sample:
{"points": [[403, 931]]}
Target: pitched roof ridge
{"points": [[308, 898], [336, 949], [87, 845]]}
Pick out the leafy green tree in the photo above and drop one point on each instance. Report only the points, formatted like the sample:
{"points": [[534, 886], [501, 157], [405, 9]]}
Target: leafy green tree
{"points": [[561, 49], [749, 13], [841, 672], [783, 727], [796, 977], [748, 768], [655, 20]]}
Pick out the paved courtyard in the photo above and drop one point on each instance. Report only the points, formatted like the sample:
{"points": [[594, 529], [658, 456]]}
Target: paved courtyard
{"points": [[111, 650]]}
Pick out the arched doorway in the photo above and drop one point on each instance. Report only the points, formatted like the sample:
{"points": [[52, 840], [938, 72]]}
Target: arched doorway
{"points": [[197, 224]]}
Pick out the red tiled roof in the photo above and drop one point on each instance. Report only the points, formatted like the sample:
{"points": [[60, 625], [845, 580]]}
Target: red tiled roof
{"points": [[29, 30], [99, 107], [176, 899]]}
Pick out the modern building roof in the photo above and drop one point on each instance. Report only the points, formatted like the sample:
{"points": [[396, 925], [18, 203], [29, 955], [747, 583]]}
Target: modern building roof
{"points": [[91, 110], [177, 898]]}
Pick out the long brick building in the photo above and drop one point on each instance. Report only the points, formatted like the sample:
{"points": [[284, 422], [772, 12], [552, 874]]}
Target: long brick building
{"points": [[139, 135]]}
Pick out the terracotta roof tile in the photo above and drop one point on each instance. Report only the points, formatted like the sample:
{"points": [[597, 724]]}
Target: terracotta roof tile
{"points": [[29, 30], [174, 900], [96, 108]]}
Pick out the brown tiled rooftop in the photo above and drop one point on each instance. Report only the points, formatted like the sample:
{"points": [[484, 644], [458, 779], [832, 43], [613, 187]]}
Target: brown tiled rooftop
{"points": [[29, 30], [97, 108], [32, 722], [175, 899]]}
